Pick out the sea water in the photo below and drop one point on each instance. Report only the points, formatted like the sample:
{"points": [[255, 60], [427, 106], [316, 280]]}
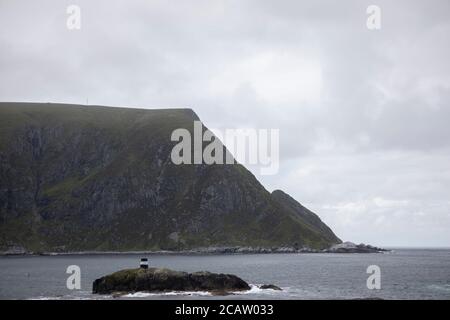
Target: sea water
{"points": [[405, 274]]}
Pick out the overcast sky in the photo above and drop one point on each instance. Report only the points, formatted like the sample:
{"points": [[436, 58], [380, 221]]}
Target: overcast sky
{"points": [[363, 114]]}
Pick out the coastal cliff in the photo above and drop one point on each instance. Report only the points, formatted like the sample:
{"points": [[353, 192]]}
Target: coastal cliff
{"points": [[80, 178]]}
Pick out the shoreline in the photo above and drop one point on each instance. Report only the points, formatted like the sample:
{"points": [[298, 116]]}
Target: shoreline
{"points": [[341, 248]]}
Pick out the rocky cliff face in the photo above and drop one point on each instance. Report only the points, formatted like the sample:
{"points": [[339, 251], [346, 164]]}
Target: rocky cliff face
{"points": [[98, 178]]}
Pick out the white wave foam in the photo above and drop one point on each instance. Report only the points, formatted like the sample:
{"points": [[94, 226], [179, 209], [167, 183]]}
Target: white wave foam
{"points": [[440, 287], [170, 293], [255, 289]]}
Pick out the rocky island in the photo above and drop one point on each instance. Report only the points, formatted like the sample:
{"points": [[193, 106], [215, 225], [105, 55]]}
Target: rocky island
{"points": [[164, 280]]}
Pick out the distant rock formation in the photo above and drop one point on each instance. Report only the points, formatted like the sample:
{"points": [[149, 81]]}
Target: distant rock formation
{"points": [[270, 286], [350, 247]]}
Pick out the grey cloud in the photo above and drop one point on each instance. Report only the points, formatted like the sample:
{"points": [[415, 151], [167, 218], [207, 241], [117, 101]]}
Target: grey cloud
{"points": [[351, 104]]}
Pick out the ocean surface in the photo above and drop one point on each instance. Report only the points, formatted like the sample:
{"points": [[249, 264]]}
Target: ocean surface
{"points": [[405, 274]]}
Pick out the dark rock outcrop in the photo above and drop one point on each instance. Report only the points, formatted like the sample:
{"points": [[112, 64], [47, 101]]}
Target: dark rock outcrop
{"points": [[270, 286], [163, 280], [350, 247]]}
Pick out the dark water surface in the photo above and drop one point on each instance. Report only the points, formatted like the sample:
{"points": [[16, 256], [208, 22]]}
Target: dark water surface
{"points": [[405, 274]]}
